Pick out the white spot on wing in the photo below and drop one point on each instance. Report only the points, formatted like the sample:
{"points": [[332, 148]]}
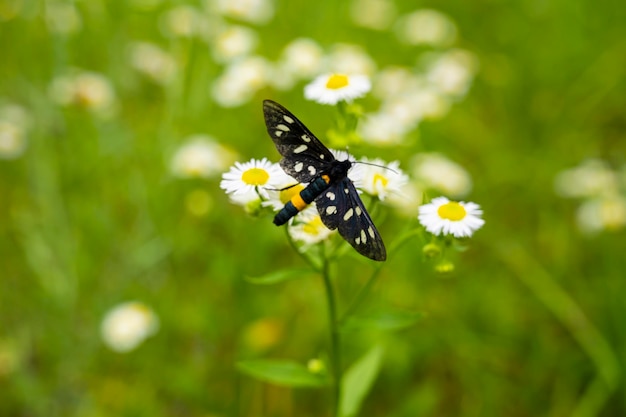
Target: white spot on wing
{"points": [[345, 190], [363, 236], [348, 214], [357, 240], [298, 167], [331, 209], [287, 118], [305, 138], [321, 156], [330, 195], [300, 149], [278, 133], [358, 211], [312, 169], [371, 232], [282, 127]]}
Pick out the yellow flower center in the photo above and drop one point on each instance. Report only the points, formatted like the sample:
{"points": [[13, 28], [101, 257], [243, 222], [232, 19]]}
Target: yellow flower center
{"points": [[337, 81], [380, 179], [286, 194], [452, 211], [313, 227], [255, 176]]}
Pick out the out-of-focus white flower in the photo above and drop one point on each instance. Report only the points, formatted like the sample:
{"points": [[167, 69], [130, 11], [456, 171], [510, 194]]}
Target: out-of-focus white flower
{"points": [[592, 178], [435, 171], [14, 126], [605, 213], [240, 81], [201, 156], [302, 57], [451, 72], [152, 61], [333, 88], [392, 81], [233, 42], [12, 140], [62, 17], [185, 22], [90, 90], [253, 11], [442, 216], [426, 27], [127, 325], [307, 227], [381, 129], [349, 59], [378, 178], [407, 200], [373, 14]]}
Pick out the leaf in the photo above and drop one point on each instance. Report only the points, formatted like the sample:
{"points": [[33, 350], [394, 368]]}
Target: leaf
{"points": [[358, 380], [280, 276], [281, 372], [383, 321]]}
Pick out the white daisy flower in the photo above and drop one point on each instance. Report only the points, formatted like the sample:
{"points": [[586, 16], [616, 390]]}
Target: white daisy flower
{"points": [[201, 157], [373, 14], [442, 216], [333, 88], [127, 325], [308, 227], [592, 178], [250, 178], [605, 213], [379, 180]]}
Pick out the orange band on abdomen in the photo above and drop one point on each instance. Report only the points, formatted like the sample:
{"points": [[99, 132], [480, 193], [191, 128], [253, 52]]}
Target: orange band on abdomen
{"points": [[298, 202], [326, 178]]}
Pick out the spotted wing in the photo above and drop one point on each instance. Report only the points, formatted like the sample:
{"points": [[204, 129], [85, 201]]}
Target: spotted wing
{"points": [[341, 208], [304, 156]]}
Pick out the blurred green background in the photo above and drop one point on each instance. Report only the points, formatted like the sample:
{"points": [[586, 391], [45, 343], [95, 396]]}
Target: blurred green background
{"points": [[530, 323]]}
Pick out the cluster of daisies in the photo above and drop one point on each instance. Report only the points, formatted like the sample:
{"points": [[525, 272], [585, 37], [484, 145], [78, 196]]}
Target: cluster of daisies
{"points": [[259, 184]]}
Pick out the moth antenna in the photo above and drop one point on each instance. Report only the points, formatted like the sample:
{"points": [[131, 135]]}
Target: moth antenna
{"points": [[376, 165]]}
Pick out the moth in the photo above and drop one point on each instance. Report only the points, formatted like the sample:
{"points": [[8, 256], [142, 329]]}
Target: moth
{"points": [[307, 160]]}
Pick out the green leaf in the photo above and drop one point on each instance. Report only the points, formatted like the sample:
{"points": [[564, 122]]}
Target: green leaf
{"points": [[358, 380], [281, 372], [280, 276], [383, 321]]}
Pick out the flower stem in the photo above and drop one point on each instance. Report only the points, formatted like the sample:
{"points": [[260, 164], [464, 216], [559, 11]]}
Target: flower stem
{"points": [[335, 342]]}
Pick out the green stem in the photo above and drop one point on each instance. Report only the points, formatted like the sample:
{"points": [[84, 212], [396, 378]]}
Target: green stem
{"points": [[335, 343]]}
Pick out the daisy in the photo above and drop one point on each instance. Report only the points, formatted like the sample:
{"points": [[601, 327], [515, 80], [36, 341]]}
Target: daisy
{"points": [[251, 178], [127, 325], [380, 178], [442, 216], [308, 227], [333, 88]]}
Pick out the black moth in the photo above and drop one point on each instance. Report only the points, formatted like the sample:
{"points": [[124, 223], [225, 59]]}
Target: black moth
{"points": [[307, 160]]}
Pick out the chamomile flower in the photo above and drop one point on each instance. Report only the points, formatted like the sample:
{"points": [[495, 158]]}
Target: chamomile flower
{"points": [[442, 216], [308, 228], [333, 88], [380, 179], [250, 178]]}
